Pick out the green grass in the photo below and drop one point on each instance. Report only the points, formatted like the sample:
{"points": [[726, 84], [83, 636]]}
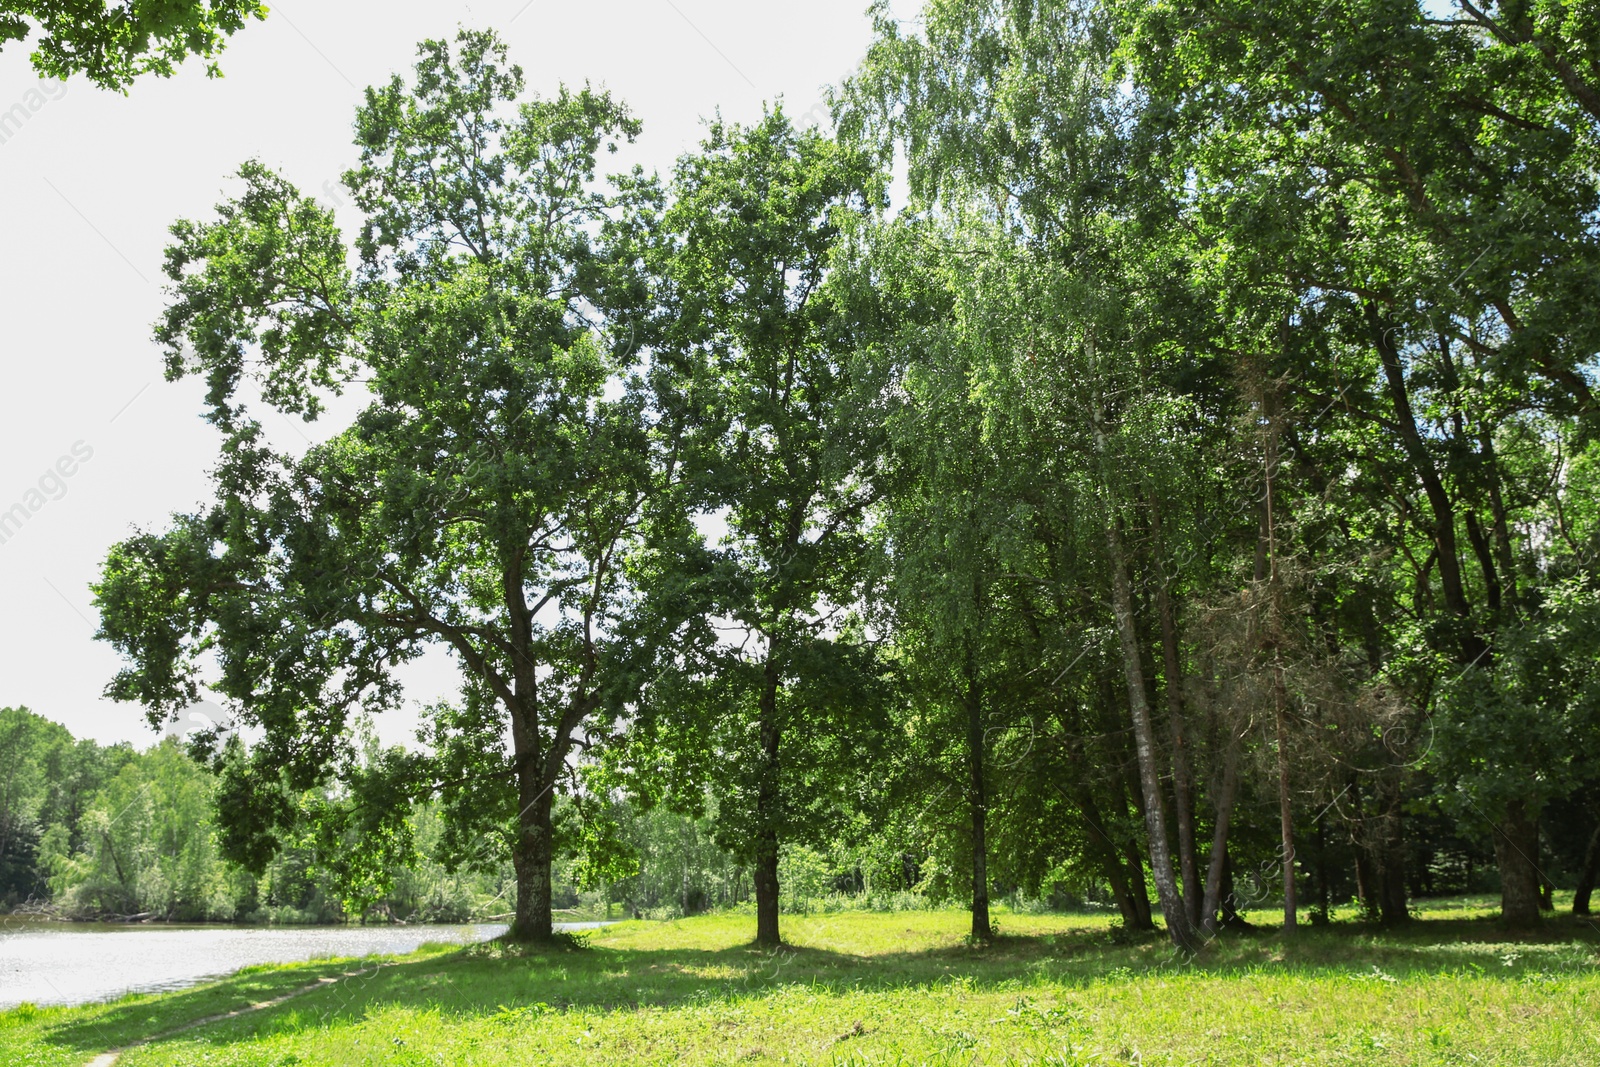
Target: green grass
{"points": [[902, 988]]}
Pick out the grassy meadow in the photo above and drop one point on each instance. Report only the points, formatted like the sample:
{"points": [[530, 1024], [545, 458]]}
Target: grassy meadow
{"points": [[875, 988]]}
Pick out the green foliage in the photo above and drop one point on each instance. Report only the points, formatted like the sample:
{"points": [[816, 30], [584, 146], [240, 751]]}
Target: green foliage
{"points": [[113, 832], [1205, 450], [48, 782], [1521, 730], [1287, 299], [112, 44], [485, 500], [777, 697], [147, 845], [676, 867]]}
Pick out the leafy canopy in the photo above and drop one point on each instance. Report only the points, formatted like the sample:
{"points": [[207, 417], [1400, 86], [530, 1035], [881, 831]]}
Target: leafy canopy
{"points": [[486, 497], [112, 44]]}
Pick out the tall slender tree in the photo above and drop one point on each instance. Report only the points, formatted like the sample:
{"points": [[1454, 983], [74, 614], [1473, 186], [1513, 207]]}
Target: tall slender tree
{"points": [[784, 439]]}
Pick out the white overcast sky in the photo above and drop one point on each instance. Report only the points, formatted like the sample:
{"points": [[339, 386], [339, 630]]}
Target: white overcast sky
{"points": [[91, 181]]}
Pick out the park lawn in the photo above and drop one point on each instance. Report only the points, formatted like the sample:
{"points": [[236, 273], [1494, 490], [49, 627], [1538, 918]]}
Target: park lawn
{"points": [[896, 988]]}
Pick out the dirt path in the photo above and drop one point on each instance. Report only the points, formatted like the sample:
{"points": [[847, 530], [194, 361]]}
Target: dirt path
{"points": [[106, 1059]]}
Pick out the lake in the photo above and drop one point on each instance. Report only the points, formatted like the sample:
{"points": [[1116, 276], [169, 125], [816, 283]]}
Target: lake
{"points": [[75, 963]]}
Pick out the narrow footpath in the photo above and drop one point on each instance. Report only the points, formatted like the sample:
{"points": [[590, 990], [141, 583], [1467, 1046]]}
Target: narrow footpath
{"points": [[107, 1059]]}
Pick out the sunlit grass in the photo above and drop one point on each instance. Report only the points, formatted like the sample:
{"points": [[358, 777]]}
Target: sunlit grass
{"points": [[900, 988]]}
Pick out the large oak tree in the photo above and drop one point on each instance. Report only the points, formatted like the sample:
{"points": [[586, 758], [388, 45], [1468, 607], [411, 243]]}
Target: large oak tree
{"points": [[486, 498]]}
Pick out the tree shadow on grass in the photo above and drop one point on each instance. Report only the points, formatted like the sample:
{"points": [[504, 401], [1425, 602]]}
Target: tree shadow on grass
{"points": [[1468, 947], [139, 1016], [499, 979]]}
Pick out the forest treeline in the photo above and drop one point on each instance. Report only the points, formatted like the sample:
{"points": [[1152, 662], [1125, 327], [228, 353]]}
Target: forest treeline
{"points": [[107, 831], [91, 831], [1147, 446]]}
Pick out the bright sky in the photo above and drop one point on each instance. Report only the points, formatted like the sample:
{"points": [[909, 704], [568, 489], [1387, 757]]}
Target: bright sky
{"points": [[93, 443]]}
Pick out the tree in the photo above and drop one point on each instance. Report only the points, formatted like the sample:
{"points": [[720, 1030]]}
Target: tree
{"points": [[485, 500], [48, 782], [782, 442], [941, 515], [1422, 182], [112, 44], [1010, 115], [147, 844], [28, 746], [1508, 739]]}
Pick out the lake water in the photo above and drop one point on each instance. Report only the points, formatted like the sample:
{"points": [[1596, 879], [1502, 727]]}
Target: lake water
{"points": [[74, 963]]}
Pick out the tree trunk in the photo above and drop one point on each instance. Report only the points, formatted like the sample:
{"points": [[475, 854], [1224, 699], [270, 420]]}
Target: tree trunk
{"points": [[1173, 910], [1586, 877], [1547, 888], [1130, 796], [1117, 875], [1486, 567], [534, 920], [1274, 642], [1381, 857], [1285, 808], [767, 801], [1515, 851], [1182, 781], [1105, 849], [1392, 904], [979, 802], [1502, 524], [1229, 902], [1138, 890], [1227, 792], [128, 894], [1364, 888], [1172, 906], [1367, 893], [1443, 533], [1319, 911]]}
